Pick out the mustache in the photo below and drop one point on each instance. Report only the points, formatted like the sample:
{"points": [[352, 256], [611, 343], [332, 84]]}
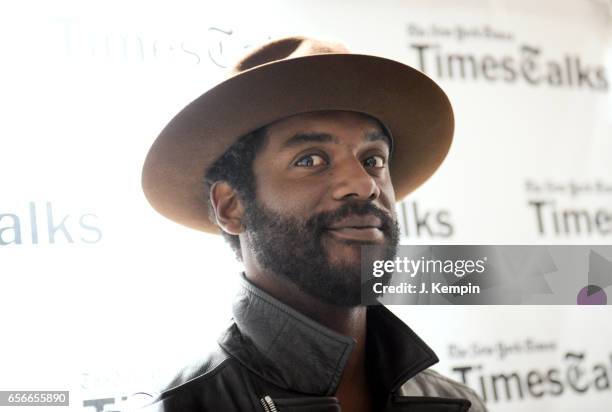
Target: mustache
{"points": [[322, 220]]}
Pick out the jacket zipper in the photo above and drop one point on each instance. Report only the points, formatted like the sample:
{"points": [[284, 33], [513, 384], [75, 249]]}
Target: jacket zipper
{"points": [[268, 404]]}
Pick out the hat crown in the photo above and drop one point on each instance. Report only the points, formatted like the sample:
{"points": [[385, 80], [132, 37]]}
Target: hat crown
{"points": [[286, 48]]}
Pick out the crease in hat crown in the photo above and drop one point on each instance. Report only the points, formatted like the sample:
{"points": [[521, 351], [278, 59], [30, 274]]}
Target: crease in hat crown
{"points": [[286, 48]]}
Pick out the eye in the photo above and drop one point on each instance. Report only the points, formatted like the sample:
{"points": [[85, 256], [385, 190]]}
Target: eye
{"points": [[375, 162], [310, 160]]}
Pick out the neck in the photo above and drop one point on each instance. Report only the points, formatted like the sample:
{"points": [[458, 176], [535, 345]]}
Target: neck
{"points": [[349, 321]]}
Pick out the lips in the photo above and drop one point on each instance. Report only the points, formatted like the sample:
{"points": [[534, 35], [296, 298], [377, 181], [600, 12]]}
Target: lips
{"points": [[358, 222], [366, 228]]}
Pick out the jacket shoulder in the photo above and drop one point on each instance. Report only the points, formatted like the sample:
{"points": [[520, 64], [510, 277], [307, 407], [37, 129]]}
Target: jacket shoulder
{"points": [[207, 384], [200, 369], [432, 383]]}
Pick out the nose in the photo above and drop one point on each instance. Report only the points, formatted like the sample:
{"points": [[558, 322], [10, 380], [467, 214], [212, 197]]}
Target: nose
{"points": [[354, 182]]}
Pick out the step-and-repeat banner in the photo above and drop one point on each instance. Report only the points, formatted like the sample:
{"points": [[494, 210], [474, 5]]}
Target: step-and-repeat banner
{"points": [[102, 297]]}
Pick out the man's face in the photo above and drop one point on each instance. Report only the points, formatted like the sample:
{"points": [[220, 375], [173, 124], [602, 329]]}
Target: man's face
{"points": [[323, 191]]}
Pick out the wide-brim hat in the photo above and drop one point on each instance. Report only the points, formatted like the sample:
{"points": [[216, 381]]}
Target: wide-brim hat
{"points": [[286, 77]]}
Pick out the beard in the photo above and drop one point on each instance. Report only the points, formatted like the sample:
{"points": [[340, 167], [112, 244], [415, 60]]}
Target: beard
{"points": [[294, 249]]}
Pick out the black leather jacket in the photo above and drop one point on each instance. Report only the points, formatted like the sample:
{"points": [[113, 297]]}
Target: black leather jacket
{"points": [[273, 358]]}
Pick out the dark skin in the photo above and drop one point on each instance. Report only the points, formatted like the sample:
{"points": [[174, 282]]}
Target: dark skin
{"points": [[342, 159]]}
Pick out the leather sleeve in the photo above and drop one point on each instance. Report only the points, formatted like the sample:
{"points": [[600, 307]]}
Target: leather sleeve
{"points": [[431, 383]]}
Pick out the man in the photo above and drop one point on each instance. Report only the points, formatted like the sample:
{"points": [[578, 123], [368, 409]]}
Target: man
{"points": [[304, 151]]}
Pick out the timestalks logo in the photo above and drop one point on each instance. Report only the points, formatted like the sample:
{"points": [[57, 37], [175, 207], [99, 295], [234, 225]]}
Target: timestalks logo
{"points": [[573, 376], [46, 225], [567, 71], [99, 404], [418, 222], [553, 220]]}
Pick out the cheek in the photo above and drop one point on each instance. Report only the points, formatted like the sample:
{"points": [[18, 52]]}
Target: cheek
{"points": [[387, 193], [269, 186], [288, 197]]}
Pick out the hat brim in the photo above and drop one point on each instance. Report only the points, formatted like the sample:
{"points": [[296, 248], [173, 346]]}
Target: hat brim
{"points": [[410, 104]]}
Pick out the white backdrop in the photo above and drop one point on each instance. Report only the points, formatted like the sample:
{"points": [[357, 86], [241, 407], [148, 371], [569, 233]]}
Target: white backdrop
{"points": [[103, 297]]}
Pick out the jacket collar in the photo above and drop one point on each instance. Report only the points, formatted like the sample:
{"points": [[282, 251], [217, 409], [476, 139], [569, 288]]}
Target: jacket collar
{"points": [[295, 353]]}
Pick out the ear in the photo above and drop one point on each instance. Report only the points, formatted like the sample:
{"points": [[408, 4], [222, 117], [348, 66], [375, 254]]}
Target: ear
{"points": [[227, 207]]}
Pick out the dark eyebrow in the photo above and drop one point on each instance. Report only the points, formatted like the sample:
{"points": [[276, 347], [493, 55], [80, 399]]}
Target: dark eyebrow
{"points": [[379, 135], [301, 138]]}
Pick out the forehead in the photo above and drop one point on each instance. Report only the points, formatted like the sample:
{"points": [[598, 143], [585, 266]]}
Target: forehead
{"points": [[340, 124]]}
